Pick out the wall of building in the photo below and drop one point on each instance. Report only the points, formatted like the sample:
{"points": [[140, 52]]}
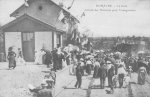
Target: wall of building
{"points": [[49, 13], [13, 39], [43, 39]]}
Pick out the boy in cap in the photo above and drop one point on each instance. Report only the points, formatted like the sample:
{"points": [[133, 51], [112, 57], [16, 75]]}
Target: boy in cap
{"points": [[44, 92]]}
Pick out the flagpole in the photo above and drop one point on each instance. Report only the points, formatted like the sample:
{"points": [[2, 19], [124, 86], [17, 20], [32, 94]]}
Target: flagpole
{"points": [[71, 5], [82, 15]]}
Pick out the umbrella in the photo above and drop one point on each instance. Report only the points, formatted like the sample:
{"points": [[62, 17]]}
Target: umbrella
{"points": [[141, 52], [147, 56], [76, 48], [143, 63], [70, 45], [68, 49], [97, 51], [84, 52], [102, 51], [118, 53], [89, 56]]}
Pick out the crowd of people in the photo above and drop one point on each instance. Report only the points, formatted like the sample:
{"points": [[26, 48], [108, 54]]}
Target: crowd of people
{"points": [[115, 66]]}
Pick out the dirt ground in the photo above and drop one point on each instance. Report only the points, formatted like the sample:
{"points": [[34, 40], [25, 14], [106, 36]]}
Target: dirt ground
{"points": [[13, 83]]}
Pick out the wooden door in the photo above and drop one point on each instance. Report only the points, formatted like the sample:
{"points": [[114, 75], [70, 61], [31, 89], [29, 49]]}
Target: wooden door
{"points": [[28, 46]]}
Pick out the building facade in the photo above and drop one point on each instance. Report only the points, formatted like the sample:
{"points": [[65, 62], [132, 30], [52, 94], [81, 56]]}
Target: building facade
{"points": [[35, 26]]}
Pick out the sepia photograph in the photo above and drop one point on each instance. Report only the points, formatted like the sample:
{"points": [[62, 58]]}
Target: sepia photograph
{"points": [[74, 48]]}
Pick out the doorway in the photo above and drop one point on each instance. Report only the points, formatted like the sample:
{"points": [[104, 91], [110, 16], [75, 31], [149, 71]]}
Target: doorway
{"points": [[28, 46]]}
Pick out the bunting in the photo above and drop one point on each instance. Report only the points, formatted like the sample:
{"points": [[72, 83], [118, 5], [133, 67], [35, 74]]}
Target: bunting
{"points": [[74, 35], [61, 15]]}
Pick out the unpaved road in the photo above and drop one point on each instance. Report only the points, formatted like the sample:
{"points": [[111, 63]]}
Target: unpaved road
{"points": [[13, 83]]}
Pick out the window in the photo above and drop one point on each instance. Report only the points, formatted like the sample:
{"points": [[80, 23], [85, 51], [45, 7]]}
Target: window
{"points": [[27, 36], [40, 7]]}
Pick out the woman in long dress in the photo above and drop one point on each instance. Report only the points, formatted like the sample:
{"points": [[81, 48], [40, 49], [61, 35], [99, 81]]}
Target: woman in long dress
{"points": [[142, 75], [11, 57], [40, 59], [75, 63], [36, 57], [20, 59]]}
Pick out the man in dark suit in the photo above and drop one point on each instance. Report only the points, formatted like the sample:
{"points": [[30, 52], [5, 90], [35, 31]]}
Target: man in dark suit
{"points": [[79, 72], [48, 59], [44, 92], [55, 59], [102, 74], [111, 72]]}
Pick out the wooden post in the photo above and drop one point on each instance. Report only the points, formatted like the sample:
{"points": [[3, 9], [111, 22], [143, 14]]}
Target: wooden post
{"points": [[53, 40]]}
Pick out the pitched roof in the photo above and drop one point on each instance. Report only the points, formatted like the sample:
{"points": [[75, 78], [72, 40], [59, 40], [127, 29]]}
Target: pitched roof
{"points": [[30, 1], [31, 18]]}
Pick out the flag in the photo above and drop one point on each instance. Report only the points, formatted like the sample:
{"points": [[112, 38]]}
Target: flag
{"points": [[26, 3], [83, 14], [70, 5], [61, 15], [85, 41], [73, 23], [74, 34]]}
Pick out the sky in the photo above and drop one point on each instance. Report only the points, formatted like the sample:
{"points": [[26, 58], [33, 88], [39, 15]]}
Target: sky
{"points": [[106, 18]]}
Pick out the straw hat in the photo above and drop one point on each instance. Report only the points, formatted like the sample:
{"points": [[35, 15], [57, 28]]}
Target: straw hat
{"points": [[81, 59], [44, 83], [49, 80], [108, 62], [31, 86]]}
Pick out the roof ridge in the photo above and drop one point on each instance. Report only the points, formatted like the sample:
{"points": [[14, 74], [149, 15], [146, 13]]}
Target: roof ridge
{"points": [[30, 1]]}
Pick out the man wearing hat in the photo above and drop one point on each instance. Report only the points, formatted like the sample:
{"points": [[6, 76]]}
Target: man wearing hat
{"points": [[82, 65], [121, 73], [44, 92], [96, 68], [79, 72], [102, 73], [111, 72]]}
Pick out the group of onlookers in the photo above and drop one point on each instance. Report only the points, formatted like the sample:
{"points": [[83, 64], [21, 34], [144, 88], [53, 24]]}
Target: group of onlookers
{"points": [[110, 65], [56, 58], [15, 59], [46, 89], [117, 69]]}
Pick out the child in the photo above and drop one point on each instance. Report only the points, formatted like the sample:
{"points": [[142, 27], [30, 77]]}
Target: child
{"points": [[49, 80], [114, 85], [130, 71], [127, 80], [115, 80]]}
